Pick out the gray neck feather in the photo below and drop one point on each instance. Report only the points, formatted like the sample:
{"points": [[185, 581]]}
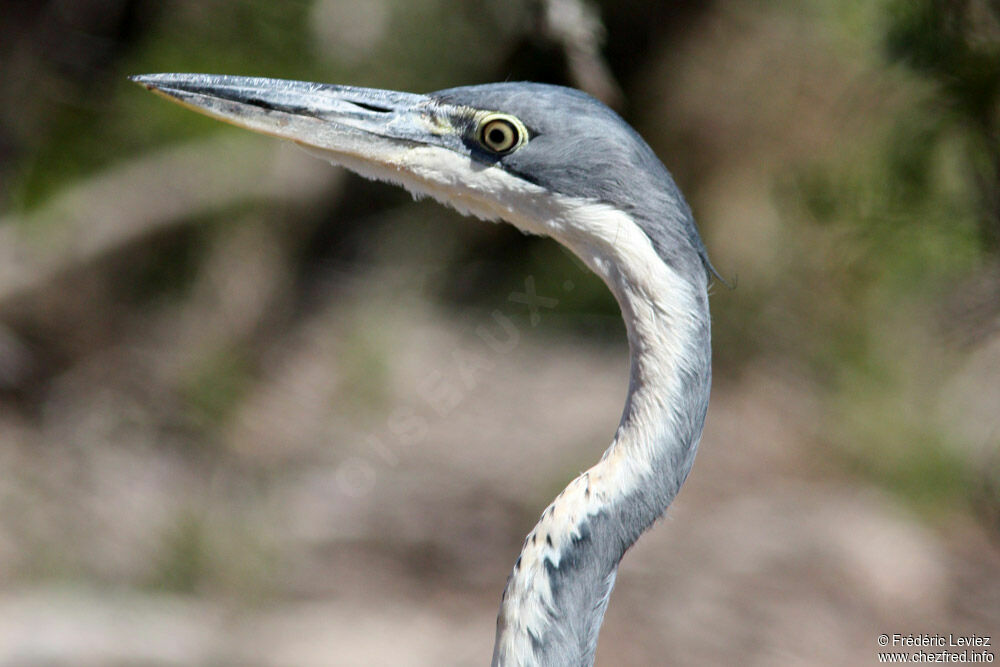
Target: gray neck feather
{"points": [[583, 581], [654, 446]]}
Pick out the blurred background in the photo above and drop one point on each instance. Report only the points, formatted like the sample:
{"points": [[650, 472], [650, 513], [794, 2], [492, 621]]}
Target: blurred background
{"points": [[257, 411]]}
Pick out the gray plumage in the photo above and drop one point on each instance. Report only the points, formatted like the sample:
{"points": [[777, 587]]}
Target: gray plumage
{"points": [[556, 162], [581, 148]]}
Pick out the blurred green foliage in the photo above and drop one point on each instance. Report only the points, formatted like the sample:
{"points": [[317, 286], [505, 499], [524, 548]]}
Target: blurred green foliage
{"points": [[184, 556], [217, 382], [956, 45], [198, 553], [906, 218], [105, 119]]}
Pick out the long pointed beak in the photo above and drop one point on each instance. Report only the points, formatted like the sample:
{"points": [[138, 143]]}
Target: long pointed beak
{"points": [[339, 119], [415, 141]]}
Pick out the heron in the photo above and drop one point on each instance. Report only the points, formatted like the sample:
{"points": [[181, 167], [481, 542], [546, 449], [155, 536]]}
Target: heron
{"points": [[552, 161]]}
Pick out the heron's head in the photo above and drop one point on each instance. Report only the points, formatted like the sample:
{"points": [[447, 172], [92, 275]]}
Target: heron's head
{"points": [[517, 151]]}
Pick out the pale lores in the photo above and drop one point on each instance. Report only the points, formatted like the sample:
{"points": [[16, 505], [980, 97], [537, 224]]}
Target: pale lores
{"points": [[550, 161]]}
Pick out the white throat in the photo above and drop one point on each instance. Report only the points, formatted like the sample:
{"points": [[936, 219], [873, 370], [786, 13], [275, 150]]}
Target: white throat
{"points": [[657, 305], [666, 317]]}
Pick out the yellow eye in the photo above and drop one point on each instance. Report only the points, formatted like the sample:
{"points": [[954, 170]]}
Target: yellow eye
{"points": [[501, 134]]}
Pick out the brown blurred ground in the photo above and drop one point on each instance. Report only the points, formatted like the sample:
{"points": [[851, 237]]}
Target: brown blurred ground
{"points": [[396, 555]]}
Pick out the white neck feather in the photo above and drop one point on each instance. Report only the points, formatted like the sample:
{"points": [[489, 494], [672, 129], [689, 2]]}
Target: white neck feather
{"points": [[666, 317], [657, 305]]}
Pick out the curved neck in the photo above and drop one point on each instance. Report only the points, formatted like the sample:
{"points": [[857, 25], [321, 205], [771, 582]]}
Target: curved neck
{"points": [[556, 596]]}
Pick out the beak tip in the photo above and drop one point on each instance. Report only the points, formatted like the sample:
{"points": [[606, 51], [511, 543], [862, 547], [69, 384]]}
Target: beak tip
{"points": [[141, 79]]}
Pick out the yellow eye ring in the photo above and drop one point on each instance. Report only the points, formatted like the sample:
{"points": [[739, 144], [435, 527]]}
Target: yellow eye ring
{"points": [[501, 134]]}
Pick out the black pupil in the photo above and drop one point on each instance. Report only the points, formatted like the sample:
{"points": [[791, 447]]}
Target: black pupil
{"points": [[497, 136]]}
